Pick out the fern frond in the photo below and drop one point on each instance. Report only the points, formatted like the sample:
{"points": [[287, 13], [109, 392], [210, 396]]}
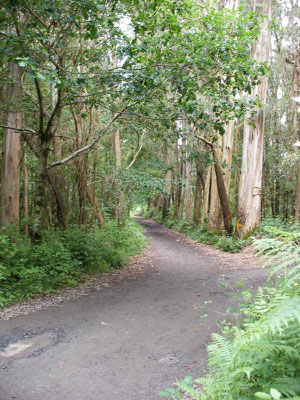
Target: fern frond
{"points": [[219, 351]]}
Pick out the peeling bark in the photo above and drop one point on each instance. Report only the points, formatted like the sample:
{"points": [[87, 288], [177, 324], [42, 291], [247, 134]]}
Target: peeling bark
{"points": [[249, 203]]}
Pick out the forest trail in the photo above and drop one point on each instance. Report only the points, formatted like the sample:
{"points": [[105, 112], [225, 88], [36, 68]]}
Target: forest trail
{"points": [[130, 339]]}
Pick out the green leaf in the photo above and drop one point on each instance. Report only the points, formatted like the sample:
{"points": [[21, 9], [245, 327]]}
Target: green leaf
{"points": [[40, 76], [262, 395], [188, 380], [275, 394]]}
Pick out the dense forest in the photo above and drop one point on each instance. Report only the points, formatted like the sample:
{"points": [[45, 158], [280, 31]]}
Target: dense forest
{"points": [[184, 111], [190, 107]]}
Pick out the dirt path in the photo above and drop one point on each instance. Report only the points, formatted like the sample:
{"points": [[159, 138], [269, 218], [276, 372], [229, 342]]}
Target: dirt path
{"points": [[128, 339]]}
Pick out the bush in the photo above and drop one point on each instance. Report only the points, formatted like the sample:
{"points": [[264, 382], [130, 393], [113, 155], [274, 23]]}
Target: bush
{"points": [[63, 258]]}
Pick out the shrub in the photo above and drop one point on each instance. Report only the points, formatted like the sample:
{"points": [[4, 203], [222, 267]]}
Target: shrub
{"points": [[260, 359], [63, 258]]}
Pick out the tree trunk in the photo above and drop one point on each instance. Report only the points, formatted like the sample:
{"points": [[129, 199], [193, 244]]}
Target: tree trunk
{"points": [[177, 191], [227, 154], [40, 189], [95, 206], [229, 128], [10, 182], [215, 220], [296, 129], [297, 204], [120, 193], [206, 195], [182, 188], [188, 215], [222, 193], [215, 223], [198, 195], [55, 177], [82, 179], [168, 177], [25, 200], [221, 187], [236, 165], [249, 203]]}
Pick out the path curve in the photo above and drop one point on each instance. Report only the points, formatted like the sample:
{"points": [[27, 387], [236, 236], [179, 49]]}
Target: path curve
{"points": [[130, 339]]}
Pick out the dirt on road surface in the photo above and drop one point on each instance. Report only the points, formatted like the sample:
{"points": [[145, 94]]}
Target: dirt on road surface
{"points": [[127, 339]]}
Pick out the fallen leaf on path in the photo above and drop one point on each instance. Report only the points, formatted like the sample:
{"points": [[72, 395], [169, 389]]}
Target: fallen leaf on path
{"points": [[104, 323], [196, 326]]}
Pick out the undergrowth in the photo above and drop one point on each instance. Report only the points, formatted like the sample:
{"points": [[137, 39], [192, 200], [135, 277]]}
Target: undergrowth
{"points": [[63, 258], [260, 358]]}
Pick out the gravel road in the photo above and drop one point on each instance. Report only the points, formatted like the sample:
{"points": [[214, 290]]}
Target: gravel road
{"points": [[131, 338]]}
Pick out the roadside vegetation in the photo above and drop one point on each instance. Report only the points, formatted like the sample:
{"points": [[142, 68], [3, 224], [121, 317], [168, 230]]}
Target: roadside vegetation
{"points": [[220, 240], [200, 233], [260, 357], [187, 107], [63, 258]]}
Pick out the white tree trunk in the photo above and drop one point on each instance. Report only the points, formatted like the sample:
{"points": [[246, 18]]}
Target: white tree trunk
{"points": [[227, 154], [206, 195], [250, 188]]}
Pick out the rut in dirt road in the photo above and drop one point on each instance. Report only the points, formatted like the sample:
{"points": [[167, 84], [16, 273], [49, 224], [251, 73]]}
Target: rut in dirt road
{"points": [[127, 341]]}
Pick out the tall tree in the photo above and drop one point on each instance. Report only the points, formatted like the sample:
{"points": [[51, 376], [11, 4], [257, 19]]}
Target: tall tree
{"points": [[250, 188], [13, 122]]}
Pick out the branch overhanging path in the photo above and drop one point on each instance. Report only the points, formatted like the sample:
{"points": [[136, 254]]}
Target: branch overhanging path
{"points": [[88, 146]]}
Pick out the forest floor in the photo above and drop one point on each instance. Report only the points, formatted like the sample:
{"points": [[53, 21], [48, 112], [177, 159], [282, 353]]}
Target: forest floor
{"points": [[127, 335]]}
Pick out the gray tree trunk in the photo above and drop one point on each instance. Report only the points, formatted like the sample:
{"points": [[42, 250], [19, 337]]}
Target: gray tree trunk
{"points": [[13, 119], [250, 188]]}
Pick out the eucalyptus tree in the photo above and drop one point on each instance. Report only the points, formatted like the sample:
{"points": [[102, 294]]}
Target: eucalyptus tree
{"points": [[281, 120], [184, 61], [207, 67], [250, 189]]}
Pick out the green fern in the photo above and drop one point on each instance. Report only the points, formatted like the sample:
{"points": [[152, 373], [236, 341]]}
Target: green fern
{"points": [[262, 355], [282, 253]]}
